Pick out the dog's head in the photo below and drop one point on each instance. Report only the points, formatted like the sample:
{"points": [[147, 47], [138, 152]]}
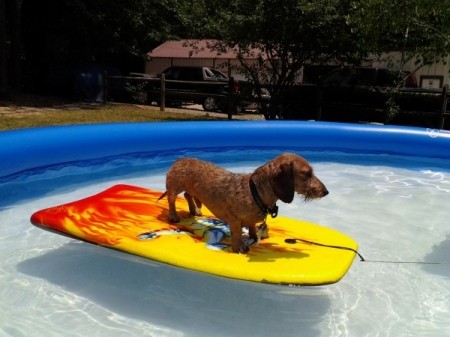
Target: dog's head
{"points": [[292, 174]]}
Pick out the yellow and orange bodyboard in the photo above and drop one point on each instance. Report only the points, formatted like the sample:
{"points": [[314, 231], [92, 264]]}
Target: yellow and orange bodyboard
{"points": [[132, 220]]}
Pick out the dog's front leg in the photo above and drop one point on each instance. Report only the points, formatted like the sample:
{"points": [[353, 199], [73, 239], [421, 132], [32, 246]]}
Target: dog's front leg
{"points": [[252, 233], [194, 204], [237, 244]]}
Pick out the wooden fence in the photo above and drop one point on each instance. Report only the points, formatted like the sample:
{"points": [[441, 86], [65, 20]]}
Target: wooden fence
{"points": [[438, 111], [416, 106], [159, 89]]}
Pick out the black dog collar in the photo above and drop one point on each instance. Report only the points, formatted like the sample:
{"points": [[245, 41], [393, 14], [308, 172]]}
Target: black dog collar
{"points": [[273, 212]]}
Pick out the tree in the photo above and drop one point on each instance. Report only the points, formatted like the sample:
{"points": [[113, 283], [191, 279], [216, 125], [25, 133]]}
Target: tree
{"points": [[10, 47], [282, 36], [419, 29], [60, 35], [46, 36], [3, 54]]}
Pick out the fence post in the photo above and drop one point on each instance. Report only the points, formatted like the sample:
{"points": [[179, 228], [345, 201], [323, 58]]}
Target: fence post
{"points": [[230, 98], [444, 107], [105, 86], [319, 102], [163, 93]]}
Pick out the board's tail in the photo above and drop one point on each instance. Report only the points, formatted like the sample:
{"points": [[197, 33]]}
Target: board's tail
{"points": [[162, 196]]}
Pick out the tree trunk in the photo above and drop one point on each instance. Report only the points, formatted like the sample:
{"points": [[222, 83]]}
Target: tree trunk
{"points": [[14, 65], [3, 52]]}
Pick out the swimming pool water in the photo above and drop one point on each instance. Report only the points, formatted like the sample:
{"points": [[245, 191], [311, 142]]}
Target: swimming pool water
{"points": [[396, 208]]}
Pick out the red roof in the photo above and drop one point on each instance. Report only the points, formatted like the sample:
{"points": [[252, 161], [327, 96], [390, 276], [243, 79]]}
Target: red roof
{"points": [[190, 49]]}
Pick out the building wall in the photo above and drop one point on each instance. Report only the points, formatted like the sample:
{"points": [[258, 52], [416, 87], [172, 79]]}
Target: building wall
{"points": [[440, 71], [229, 67], [435, 75], [157, 65]]}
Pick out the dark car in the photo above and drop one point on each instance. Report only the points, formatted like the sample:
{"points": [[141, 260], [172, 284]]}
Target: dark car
{"points": [[346, 93], [366, 94], [349, 93], [362, 88], [202, 85], [132, 88], [369, 77]]}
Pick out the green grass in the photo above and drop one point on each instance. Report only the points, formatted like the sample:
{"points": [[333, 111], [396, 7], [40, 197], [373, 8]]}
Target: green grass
{"points": [[21, 118]]}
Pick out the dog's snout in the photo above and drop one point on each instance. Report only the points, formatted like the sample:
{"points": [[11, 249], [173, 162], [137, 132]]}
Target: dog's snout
{"points": [[318, 188]]}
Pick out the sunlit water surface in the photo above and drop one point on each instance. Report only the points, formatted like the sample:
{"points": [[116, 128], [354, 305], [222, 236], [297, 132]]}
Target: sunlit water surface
{"points": [[395, 208]]}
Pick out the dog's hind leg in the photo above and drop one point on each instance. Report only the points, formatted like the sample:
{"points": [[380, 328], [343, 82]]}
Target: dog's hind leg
{"points": [[173, 216]]}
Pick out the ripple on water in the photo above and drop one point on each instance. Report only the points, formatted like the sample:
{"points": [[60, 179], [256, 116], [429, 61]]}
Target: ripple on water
{"points": [[53, 286]]}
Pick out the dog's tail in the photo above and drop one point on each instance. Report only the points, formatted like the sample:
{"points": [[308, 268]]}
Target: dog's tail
{"points": [[162, 196]]}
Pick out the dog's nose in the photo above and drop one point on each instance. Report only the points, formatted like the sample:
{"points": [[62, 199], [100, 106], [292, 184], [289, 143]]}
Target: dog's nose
{"points": [[325, 192]]}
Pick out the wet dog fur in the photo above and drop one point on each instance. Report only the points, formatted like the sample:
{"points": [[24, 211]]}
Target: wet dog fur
{"points": [[228, 195]]}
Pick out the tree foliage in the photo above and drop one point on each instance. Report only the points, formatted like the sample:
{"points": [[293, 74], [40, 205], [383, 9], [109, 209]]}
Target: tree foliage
{"points": [[420, 29], [59, 34], [279, 31], [44, 36], [274, 38], [284, 35]]}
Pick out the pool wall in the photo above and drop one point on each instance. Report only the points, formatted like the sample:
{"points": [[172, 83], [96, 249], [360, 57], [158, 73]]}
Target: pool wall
{"points": [[38, 148]]}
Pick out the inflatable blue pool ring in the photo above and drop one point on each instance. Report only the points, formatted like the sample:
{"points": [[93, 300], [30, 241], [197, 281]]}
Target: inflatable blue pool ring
{"points": [[38, 148]]}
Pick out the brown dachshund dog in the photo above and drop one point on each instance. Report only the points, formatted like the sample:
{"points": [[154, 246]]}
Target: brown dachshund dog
{"points": [[241, 200]]}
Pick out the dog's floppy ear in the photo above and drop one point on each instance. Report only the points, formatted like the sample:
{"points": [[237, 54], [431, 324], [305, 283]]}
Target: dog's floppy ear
{"points": [[283, 183]]}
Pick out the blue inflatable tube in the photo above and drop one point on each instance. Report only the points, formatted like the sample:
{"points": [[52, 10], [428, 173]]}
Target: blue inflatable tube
{"points": [[29, 149]]}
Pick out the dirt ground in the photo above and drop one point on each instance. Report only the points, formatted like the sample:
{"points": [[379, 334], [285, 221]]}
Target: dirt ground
{"points": [[196, 109], [32, 108]]}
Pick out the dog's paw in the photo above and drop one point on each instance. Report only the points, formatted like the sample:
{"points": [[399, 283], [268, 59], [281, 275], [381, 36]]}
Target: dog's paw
{"points": [[262, 231], [197, 212], [174, 218], [240, 248]]}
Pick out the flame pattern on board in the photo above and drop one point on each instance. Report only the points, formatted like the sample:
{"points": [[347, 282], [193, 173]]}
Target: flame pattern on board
{"points": [[108, 217]]}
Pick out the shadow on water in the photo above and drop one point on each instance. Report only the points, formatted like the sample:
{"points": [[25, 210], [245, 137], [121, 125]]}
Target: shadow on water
{"points": [[439, 259], [195, 303]]}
